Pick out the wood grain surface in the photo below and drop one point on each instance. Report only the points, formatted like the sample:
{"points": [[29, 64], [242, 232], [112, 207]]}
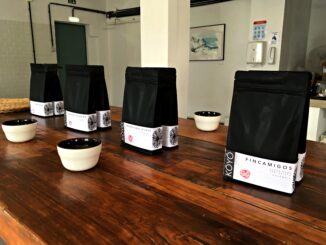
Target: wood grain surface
{"points": [[177, 197], [318, 103]]}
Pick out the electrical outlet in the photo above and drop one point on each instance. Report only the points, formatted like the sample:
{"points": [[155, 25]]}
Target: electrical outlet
{"points": [[255, 52]]}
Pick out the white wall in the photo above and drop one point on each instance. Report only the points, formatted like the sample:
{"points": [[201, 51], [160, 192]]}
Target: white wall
{"points": [[112, 5], [16, 41], [17, 9], [273, 12], [123, 47], [295, 37], [211, 82], [179, 25], [116, 44], [316, 123], [316, 54], [166, 47], [15, 56], [124, 50], [316, 47], [155, 15]]}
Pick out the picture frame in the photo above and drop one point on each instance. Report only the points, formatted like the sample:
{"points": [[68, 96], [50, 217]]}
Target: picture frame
{"points": [[207, 43]]}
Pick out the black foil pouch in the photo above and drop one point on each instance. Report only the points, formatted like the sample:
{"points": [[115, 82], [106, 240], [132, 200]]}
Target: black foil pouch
{"points": [[45, 92], [80, 99], [169, 109], [267, 130], [141, 126], [102, 105], [303, 137]]}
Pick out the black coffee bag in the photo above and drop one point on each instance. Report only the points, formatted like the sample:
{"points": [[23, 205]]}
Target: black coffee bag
{"points": [[57, 97], [303, 138], [80, 99], [102, 105], [267, 128], [141, 126], [45, 92], [169, 106]]}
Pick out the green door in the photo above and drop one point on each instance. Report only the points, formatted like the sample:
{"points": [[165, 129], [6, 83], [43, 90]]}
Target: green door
{"points": [[71, 47]]}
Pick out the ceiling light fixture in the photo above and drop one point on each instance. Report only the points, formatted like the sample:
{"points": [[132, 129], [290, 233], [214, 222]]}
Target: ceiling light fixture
{"points": [[73, 18]]}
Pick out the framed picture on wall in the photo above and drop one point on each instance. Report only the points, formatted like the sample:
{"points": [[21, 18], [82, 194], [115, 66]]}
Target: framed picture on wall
{"points": [[207, 42]]}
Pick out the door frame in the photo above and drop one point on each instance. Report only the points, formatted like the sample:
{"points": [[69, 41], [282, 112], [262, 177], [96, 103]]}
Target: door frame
{"points": [[77, 24]]}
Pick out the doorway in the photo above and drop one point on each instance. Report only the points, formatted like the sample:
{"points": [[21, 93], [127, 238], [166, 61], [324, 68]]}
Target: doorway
{"points": [[71, 47]]}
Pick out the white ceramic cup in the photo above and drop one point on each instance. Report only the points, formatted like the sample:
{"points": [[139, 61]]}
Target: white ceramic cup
{"points": [[19, 130], [79, 154], [207, 120]]}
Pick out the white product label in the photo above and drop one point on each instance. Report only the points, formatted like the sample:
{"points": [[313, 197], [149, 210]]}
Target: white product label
{"points": [[103, 119], [300, 165], [44, 109], [146, 138], [58, 108], [170, 136], [270, 174], [82, 122]]}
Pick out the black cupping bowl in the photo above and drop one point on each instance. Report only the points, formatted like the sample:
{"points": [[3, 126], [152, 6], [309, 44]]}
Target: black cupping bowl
{"points": [[207, 113], [79, 143], [19, 122]]}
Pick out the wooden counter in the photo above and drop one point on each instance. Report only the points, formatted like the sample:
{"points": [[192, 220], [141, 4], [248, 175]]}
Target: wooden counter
{"points": [[178, 197], [318, 103]]}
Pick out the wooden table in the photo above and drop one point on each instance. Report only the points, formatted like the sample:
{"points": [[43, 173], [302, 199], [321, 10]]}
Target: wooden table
{"points": [[178, 197], [318, 103]]}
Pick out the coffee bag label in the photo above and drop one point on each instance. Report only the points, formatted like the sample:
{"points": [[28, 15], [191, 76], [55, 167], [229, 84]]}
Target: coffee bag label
{"points": [[300, 165], [44, 109], [266, 173], [58, 108], [170, 136], [82, 122], [122, 131], [103, 119], [229, 158], [143, 137]]}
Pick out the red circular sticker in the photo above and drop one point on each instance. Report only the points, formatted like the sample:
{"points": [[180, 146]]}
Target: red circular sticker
{"points": [[245, 173], [130, 138]]}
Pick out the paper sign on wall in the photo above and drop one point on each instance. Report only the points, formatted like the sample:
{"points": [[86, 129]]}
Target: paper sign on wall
{"points": [[259, 30], [274, 38]]}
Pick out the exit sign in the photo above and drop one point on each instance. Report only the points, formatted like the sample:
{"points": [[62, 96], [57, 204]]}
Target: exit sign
{"points": [[72, 1]]}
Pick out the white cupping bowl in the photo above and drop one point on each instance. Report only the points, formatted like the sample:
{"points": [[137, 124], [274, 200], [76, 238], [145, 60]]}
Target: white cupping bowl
{"points": [[207, 120], [19, 130], [79, 154]]}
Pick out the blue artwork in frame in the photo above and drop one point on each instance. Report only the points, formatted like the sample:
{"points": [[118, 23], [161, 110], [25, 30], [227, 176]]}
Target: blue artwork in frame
{"points": [[207, 42]]}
